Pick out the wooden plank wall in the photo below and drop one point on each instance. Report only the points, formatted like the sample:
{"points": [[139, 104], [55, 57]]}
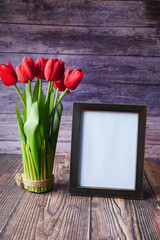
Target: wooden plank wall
{"points": [[116, 43]]}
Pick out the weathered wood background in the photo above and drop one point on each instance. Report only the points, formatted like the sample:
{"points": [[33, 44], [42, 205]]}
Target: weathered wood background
{"points": [[116, 43]]}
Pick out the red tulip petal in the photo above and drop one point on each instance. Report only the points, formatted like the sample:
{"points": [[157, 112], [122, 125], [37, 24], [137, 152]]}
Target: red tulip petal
{"points": [[39, 68], [48, 69], [61, 80], [28, 68], [13, 71], [31, 61], [8, 79], [33, 67], [55, 72], [61, 86], [20, 75], [55, 60], [7, 69], [66, 74], [62, 68], [74, 79]]}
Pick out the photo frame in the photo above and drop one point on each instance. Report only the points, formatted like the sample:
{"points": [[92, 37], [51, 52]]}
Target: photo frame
{"points": [[107, 150]]}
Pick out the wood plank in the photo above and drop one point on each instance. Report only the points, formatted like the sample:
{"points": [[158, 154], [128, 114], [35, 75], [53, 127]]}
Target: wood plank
{"points": [[91, 92], [10, 194], [81, 12], [7, 161], [103, 69], [53, 215], [13, 147], [153, 130], [152, 151], [152, 172], [79, 40], [125, 219], [9, 129]]}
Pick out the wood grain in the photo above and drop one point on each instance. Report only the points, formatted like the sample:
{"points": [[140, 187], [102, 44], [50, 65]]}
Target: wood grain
{"points": [[125, 219], [81, 12], [152, 151], [13, 147], [79, 40], [117, 44], [9, 138], [10, 194], [9, 129], [53, 215], [56, 215], [102, 70], [102, 93], [152, 172]]}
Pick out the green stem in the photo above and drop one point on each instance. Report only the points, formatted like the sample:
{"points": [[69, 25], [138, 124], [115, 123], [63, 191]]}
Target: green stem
{"points": [[40, 90], [41, 172], [20, 95], [29, 84], [54, 107], [51, 86], [61, 97], [53, 111], [44, 166], [29, 165], [56, 97], [50, 160], [48, 91], [25, 161]]}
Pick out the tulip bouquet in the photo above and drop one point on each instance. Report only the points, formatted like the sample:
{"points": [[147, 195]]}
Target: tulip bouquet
{"points": [[40, 119]]}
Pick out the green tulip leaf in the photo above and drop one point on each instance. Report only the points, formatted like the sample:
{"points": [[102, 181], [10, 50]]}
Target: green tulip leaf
{"points": [[24, 108], [32, 131], [44, 121], [55, 128], [35, 91], [20, 126], [43, 113], [41, 97], [28, 99], [51, 102]]}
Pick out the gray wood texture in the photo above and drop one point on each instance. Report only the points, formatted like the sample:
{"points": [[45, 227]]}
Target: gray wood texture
{"points": [[81, 12], [86, 40], [57, 215], [116, 43]]}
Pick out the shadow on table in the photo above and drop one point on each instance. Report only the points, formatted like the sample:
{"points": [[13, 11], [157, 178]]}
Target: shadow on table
{"points": [[61, 187]]}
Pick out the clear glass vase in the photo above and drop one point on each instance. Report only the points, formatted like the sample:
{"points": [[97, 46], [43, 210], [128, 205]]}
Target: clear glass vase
{"points": [[45, 169]]}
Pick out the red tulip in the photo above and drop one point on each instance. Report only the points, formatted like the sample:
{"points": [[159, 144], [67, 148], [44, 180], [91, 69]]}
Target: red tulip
{"points": [[73, 79], [54, 70], [27, 71], [20, 74], [60, 84], [8, 74], [40, 66]]}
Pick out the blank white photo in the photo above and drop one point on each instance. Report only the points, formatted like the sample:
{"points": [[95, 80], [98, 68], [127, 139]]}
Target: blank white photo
{"points": [[108, 150]]}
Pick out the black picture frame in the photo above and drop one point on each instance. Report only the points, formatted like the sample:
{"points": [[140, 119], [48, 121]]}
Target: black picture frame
{"points": [[77, 189]]}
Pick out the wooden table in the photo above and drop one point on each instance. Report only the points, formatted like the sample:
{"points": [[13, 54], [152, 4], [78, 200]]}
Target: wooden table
{"points": [[57, 215]]}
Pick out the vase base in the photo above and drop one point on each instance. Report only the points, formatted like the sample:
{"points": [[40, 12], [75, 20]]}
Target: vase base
{"points": [[39, 189]]}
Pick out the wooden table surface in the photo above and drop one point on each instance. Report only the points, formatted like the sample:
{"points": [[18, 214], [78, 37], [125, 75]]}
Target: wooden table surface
{"points": [[57, 215]]}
